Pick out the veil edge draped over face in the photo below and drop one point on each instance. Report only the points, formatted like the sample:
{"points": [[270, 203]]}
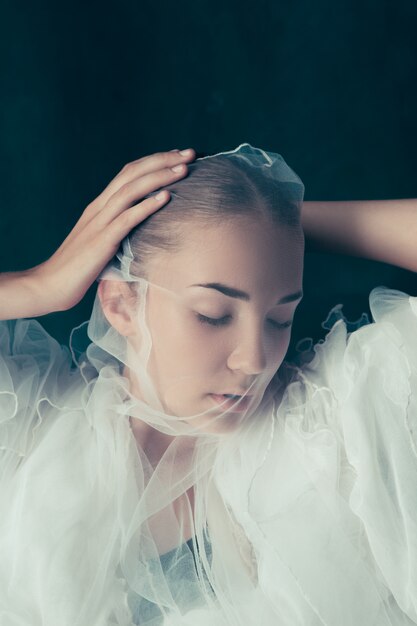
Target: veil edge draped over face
{"points": [[116, 512], [178, 492]]}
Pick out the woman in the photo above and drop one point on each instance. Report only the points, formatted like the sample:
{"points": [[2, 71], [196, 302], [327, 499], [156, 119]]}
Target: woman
{"points": [[182, 473]]}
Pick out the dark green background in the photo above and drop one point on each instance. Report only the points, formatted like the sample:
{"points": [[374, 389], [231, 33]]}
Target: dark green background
{"points": [[87, 87]]}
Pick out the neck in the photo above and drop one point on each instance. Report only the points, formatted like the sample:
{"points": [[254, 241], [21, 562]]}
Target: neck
{"points": [[149, 439]]}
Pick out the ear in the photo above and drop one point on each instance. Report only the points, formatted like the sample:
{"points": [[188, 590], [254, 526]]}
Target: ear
{"points": [[118, 303]]}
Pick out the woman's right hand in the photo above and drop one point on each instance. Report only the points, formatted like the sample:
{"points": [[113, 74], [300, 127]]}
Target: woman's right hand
{"points": [[60, 282]]}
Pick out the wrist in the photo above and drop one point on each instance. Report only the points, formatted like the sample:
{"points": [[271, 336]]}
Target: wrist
{"points": [[18, 296], [24, 294], [38, 282]]}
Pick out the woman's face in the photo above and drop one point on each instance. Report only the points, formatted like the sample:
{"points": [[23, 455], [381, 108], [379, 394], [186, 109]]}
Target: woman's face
{"points": [[219, 312]]}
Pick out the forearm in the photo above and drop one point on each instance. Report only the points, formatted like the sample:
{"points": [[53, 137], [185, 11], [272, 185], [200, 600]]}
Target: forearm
{"points": [[382, 230], [21, 296]]}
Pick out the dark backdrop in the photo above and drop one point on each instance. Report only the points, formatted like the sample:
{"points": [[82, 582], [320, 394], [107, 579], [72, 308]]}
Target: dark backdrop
{"points": [[88, 86]]}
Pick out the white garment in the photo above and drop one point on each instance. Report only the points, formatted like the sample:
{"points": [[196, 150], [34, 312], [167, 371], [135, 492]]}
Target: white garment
{"points": [[311, 511]]}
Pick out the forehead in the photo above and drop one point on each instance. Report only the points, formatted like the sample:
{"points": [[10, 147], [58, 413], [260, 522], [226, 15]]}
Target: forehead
{"points": [[245, 253]]}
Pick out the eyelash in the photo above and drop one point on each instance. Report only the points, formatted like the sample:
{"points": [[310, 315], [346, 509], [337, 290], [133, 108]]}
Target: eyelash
{"points": [[222, 321]]}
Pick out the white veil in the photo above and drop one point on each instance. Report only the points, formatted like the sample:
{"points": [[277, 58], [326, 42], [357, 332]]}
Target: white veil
{"points": [[178, 498], [292, 507], [111, 531]]}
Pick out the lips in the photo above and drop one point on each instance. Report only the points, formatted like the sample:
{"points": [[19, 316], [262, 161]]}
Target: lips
{"points": [[231, 402]]}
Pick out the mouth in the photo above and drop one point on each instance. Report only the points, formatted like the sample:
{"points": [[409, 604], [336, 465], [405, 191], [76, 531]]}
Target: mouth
{"points": [[231, 402]]}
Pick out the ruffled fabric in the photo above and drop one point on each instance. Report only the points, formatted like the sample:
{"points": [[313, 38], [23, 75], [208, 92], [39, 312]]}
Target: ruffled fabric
{"points": [[331, 510], [311, 507], [63, 483]]}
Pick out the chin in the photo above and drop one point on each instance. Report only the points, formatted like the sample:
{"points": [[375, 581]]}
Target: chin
{"points": [[211, 422], [218, 426]]}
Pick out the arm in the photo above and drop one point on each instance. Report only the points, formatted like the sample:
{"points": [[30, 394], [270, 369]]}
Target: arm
{"points": [[20, 295], [60, 282], [381, 230]]}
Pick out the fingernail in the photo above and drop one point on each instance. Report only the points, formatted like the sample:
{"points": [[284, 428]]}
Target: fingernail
{"points": [[186, 152], [178, 168]]}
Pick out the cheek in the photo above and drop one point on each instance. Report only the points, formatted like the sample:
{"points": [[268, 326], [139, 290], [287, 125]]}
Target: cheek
{"points": [[277, 350], [181, 347]]}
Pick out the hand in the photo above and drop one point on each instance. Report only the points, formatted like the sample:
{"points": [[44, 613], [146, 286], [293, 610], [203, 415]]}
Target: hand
{"points": [[63, 279]]}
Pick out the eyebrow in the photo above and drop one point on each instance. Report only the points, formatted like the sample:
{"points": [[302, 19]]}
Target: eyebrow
{"points": [[242, 295]]}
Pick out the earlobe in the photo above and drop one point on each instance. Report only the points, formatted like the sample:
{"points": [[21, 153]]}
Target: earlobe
{"points": [[117, 300]]}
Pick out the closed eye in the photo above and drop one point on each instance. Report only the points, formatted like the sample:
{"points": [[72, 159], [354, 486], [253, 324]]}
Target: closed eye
{"points": [[222, 321], [281, 325], [213, 321]]}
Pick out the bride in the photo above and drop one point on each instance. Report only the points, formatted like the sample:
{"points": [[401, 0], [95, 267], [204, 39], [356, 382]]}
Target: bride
{"points": [[169, 467]]}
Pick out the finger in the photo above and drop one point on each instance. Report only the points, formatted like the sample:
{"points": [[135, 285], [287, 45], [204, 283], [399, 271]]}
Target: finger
{"points": [[105, 241], [123, 223], [128, 195], [156, 161], [146, 165], [132, 192]]}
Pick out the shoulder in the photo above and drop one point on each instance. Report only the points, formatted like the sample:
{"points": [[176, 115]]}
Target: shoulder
{"points": [[26, 349], [33, 367], [389, 338]]}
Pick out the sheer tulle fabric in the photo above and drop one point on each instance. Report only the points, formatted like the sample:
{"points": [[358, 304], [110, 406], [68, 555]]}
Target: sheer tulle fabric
{"points": [[299, 509], [306, 515]]}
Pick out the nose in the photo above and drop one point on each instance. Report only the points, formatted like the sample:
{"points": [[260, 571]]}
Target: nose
{"points": [[248, 354]]}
